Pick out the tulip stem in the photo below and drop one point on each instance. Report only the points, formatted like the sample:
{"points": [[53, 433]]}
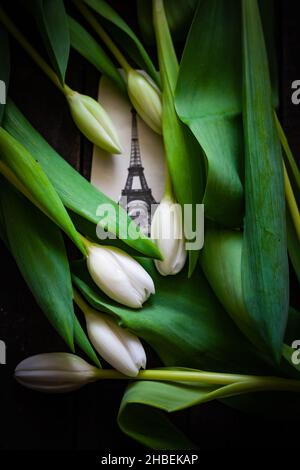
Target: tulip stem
{"points": [[168, 192], [289, 194], [20, 38], [85, 241], [103, 35], [80, 302], [245, 383]]}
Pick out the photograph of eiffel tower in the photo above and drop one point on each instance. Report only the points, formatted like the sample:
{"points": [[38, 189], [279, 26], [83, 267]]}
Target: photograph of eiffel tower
{"points": [[136, 197]]}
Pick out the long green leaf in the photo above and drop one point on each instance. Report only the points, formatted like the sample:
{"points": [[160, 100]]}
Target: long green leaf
{"points": [[76, 192], [181, 149], [38, 249], [152, 399], [179, 15], [208, 100], [124, 36], [39, 252], [183, 322], [89, 48], [265, 277], [149, 399], [292, 189], [4, 70], [25, 173], [269, 24], [221, 262], [51, 19]]}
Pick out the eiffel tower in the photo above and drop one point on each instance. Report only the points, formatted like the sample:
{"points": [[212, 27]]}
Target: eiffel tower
{"points": [[136, 198]]}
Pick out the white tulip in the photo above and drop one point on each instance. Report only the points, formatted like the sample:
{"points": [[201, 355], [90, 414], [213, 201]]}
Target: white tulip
{"points": [[55, 372], [119, 275], [167, 234], [145, 98], [93, 121], [117, 346]]}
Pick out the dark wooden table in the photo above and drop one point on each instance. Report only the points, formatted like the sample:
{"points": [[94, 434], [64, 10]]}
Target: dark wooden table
{"points": [[87, 419]]}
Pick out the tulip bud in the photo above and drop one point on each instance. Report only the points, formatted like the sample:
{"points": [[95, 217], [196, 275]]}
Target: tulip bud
{"points": [[117, 346], [93, 121], [119, 275], [167, 234], [145, 98], [55, 372]]}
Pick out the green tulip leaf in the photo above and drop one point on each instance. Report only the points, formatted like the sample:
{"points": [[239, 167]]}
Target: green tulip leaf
{"points": [[181, 148], [149, 400], [124, 36], [154, 401], [38, 249], [208, 100], [76, 193], [221, 262], [291, 165], [183, 322], [179, 15], [24, 172]]}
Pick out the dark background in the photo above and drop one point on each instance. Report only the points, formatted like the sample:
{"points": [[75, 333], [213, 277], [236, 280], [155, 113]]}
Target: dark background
{"points": [[86, 420]]}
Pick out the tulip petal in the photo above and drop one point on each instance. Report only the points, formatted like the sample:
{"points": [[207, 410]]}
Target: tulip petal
{"points": [[131, 342], [56, 361], [146, 99], [110, 277], [102, 117], [167, 233], [55, 372], [108, 344], [135, 271]]}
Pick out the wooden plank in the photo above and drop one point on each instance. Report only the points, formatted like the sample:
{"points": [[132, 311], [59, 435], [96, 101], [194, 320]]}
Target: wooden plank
{"points": [[289, 112]]}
